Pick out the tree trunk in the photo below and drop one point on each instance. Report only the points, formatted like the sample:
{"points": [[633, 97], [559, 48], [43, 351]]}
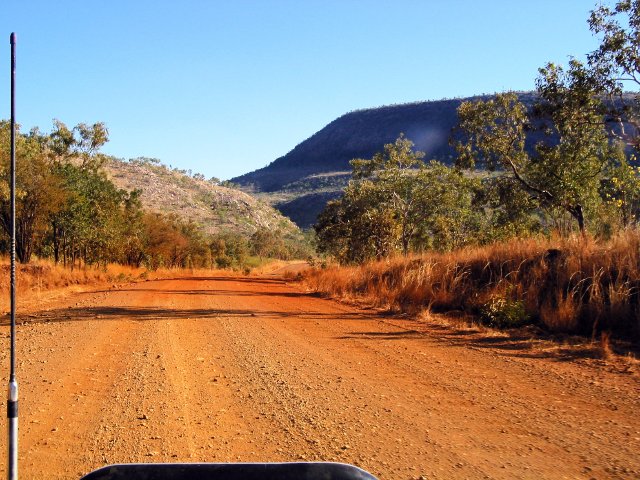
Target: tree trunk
{"points": [[64, 250], [625, 214], [24, 241], [56, 243], [577, 213]]}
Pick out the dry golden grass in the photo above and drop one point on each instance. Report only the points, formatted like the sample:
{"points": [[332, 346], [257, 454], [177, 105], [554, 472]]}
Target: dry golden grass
{"points": [[566, 285], [44, 277]]}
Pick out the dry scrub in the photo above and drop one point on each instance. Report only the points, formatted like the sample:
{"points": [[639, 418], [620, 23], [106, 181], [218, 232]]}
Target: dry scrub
{"points": [[571, 285], [41, 276]]}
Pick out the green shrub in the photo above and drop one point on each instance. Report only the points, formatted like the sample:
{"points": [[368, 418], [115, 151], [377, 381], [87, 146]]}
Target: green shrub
{"points": [[500, 312], [224, 261]]}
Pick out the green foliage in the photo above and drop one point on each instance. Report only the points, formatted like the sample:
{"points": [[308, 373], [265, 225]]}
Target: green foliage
{"points": [[253, 262], [449, 213], [621, 189], [617, 59], [615, 65], [276, 242], [66, 206], [40, 190], [567, 168], [581, 167], [69, 210], [397, 203], [579, 175], [223, 261], [509, 209], [503, 312], [88, 223], [133, 229], [168, 241], [229, 250], [145, 161], [356, 227], [494, 134]]}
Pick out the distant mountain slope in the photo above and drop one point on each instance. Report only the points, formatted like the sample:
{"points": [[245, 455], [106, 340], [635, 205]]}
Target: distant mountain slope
{"points": [[215, 208], [360, 134], [300, 183]]}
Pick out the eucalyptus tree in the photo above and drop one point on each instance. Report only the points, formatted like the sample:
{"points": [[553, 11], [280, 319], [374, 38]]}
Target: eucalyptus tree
{"points": [[616, 63], [393, 172], [38, 189], [133, 229], [396, 202], [88, 223], [450, 212], [566, 169], [616, 67], [357, 227]]}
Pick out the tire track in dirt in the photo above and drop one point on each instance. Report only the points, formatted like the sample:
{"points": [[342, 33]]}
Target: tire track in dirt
{"points": [[63, 382]]}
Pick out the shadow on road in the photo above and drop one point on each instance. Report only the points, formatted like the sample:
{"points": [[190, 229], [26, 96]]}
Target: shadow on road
{"points": [[399, 335], [150, 313], [217, 292], [517, 343]]}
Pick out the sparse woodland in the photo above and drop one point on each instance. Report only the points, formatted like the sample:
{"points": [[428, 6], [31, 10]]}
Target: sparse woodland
{"points": [[512, 234], [69, 211]]}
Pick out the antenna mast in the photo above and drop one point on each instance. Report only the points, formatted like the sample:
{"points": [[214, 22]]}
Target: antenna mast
{"points": [[12, 400]]}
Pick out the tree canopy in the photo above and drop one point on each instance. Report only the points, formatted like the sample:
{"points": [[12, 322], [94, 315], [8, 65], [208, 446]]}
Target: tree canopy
{"points": [[398, 203], [579, 174], [69, 210]]}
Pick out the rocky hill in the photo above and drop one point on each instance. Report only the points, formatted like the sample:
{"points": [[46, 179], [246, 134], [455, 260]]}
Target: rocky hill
{"points": [[214, 207], [301, 182], [360, 134]]}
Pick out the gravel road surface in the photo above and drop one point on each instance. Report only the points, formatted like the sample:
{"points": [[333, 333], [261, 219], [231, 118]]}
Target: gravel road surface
{"points": [[252, 369]]}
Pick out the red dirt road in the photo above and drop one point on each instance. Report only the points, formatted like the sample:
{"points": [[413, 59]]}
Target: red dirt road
{"points": [[252, 369]]}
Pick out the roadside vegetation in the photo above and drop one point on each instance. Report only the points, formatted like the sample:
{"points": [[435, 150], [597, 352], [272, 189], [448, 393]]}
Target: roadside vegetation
{"points": [[42, 278], [546, 234], [561, 285], [68, 211]]}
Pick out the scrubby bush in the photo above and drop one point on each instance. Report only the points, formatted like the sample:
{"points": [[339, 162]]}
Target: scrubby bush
{"points": [[567, 285], [502, 312]]}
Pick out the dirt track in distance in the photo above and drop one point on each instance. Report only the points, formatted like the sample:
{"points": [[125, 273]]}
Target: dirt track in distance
{"points": [[252, 369]]}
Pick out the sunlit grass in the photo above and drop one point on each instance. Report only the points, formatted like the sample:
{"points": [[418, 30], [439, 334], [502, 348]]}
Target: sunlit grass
{"points": [[565, 285], [43, 276]]}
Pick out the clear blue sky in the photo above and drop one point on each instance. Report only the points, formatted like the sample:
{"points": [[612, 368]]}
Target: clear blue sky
{"points": [[224, 88]]}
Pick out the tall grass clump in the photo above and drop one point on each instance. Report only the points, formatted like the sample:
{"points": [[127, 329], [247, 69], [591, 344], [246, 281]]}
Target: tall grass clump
{"points": [[573, 285], [43, 275]]}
